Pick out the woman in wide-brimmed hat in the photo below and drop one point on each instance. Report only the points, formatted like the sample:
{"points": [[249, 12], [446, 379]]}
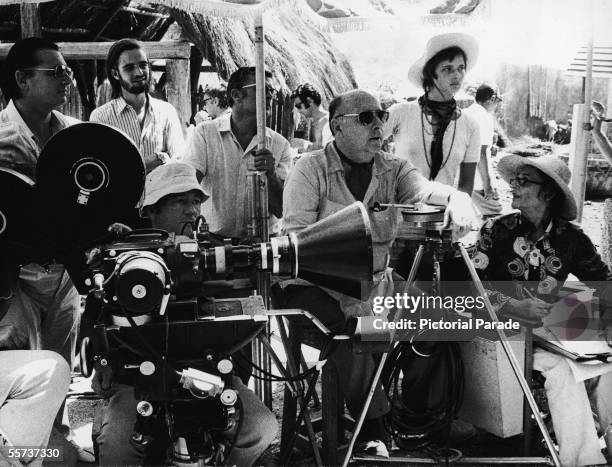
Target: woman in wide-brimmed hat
{"points": [[529, 254], [432, 133]]}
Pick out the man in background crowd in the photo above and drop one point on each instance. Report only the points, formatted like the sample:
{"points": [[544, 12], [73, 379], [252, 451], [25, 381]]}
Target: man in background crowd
{"points": [[215, 104], [485, 195], [307, 101]]}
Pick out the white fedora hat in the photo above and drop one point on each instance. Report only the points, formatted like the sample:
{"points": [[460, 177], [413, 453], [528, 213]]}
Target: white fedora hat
{"points": [[464, 41]]}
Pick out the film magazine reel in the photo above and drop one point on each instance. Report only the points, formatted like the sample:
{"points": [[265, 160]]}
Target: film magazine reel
{"points": [[424, 225]]}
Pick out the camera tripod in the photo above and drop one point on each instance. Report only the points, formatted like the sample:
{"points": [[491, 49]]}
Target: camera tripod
{"points": [[439, 241]]}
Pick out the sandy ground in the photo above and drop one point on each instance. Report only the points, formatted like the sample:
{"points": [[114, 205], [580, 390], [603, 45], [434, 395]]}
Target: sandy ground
{"points": [[81, 411]]}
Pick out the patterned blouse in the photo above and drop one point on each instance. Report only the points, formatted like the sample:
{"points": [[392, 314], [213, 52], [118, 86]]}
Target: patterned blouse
{"points": [[506, 255]]}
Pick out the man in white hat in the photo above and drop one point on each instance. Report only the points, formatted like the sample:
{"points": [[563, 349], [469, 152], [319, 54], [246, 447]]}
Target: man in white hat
{"points": [[173, 198], [539, 247], [432, 133]]}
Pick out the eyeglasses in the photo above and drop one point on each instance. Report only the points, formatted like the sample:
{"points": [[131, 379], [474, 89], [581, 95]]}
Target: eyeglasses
{"points": [[269, 89], [521, 180], [367, 116], [58, 72]]}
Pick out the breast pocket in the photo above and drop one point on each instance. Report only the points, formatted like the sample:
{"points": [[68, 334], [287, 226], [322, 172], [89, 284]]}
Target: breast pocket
{"points": [[384, 225], [329, 207]]}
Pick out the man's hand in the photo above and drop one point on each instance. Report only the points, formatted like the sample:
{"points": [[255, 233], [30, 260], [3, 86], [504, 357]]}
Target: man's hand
{"points": [[531, 308], [462, 213], [162, 157], [12, 338], [490, 191], [263, 161], [150, 164], [102, 379]]}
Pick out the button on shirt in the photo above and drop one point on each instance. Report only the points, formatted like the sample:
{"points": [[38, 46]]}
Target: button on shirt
{"points": [[19, 147], [316, 188], [161, 130], [413, 135], [215, 151]]}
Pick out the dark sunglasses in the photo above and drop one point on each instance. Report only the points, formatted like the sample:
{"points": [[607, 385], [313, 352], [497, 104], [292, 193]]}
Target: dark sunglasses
{"points": [[521, 180], [58, 72], [367, 116], [269, 89]]}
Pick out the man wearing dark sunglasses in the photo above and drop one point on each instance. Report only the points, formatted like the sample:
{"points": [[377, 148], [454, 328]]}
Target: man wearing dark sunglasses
{"points": [[152, 124], [354, 168], [46, 304], [307, 101], [225, 149]]}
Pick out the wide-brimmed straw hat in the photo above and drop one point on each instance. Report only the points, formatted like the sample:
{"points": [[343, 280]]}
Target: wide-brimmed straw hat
{"points": [[550, 165], [170, 179], [464, 41]]}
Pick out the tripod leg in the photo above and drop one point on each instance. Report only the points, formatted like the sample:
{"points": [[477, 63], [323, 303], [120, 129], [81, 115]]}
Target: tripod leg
{"points": [[511, 357], [349, 452]]}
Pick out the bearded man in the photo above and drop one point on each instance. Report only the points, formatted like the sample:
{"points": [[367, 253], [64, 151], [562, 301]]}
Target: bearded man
{"points": [[152, 124]]}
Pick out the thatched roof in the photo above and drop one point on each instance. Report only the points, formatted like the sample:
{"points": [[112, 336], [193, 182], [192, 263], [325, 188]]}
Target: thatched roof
{"points": [[90, 20], [296, 50]]}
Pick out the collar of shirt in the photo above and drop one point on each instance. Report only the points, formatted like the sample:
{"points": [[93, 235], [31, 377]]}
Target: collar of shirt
{"points": [[57, 123], [120, 104], [224, 125], [555, 227]]}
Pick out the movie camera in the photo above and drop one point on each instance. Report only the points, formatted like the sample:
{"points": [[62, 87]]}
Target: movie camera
{"points": [[153, 312]]}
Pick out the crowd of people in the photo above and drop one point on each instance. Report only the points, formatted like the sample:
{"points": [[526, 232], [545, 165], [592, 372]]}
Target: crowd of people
{"points": [[441, 157]]}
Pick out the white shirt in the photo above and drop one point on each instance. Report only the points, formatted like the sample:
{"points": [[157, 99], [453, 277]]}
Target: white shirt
{"points": [[215, 151], [161, 130], [413, 135], [19, 147], [487, 126]]}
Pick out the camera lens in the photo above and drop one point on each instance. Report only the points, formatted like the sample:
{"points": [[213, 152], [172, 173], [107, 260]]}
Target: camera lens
{"points": [[90, 175]]}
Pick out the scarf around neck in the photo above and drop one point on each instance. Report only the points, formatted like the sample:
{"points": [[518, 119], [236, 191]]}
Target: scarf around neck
{"points": [[443, 113]]}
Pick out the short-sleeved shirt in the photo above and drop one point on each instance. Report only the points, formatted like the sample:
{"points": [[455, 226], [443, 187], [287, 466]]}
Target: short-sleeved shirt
{"points": [[215, 152], [413, 135], [486, 123], [317, 188], [19, 147], [161, 131]]}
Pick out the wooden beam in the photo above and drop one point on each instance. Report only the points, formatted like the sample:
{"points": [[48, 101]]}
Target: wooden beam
{"points": [[111, 15], [136, 11], [99, 50], [67, 31], [30, 20], [178, 89]]}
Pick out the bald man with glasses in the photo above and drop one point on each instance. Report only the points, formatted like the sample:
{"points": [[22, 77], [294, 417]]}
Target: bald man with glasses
{"points": [[354, 168]]}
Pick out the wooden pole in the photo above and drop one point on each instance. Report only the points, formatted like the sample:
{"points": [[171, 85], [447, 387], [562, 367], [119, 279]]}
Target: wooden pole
{"points": [[30, 20], [582, 143], [178, 88]]}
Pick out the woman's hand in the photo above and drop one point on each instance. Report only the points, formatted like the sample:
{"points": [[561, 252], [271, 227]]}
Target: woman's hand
{"points": [[531, 308]]}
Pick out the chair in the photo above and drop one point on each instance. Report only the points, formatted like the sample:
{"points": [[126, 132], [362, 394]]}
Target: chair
{"points": [[333, 420]]}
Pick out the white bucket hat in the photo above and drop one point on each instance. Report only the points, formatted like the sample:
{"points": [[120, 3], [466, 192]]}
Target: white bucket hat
{"points": [[464, 41], [170, 179]]}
